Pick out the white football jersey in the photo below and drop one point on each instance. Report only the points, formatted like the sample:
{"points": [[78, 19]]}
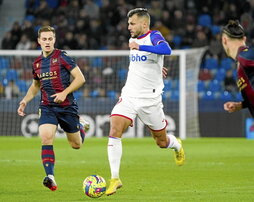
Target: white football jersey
{"points": [[144, 78]]}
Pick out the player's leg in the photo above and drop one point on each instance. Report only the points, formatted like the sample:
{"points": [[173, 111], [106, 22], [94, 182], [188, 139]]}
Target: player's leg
{"points": [[74, 139], [152, 114], [47, 134], [70, 122], [169, 141], [47, 129], [84, 128], [118, 124]]}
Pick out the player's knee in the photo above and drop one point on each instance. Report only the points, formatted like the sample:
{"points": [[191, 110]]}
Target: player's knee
{"points": [[46, 140], [75, 145], [161, 144], [114, 132]]}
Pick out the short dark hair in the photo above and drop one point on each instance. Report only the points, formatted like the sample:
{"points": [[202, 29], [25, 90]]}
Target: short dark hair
{"points": [[233, 29], [46, 29], [139, 11]]}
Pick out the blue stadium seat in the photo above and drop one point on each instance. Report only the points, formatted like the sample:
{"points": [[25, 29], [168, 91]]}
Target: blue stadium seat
{"points": [[53, 3], [226, 63], [239, 96], [167, 85], [227, 96], [201, 86], [220, 74], [12, 74], [205, 20], [36, 28], [177, 40], [30, 18], [97, 62], [209, 95], [214, 86], [77, 94], [111, 94], [4, 82], [174, 95], [215, 29], [94, 93], [4, 63], [211, 63], [22, 85], [122, 74]]}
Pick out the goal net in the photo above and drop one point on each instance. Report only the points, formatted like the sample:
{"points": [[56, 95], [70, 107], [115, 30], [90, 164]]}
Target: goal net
{"points": [[105, 73]]}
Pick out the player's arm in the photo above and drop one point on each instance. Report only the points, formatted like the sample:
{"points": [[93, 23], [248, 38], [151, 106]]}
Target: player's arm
{"points": [[162, 48], [233, 106], [31, 93], [77, 82], [159, 45]]}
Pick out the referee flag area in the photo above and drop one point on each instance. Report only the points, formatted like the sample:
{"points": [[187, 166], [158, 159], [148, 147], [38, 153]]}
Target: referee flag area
{"points": [[216, 169]]}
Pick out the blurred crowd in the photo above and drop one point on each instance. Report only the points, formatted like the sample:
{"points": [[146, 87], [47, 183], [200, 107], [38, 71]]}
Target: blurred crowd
{"points": [[102, 25]]}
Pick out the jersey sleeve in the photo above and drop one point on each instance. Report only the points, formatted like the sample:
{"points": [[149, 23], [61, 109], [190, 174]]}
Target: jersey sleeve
{"points": [[35, 76], [159, 45], [67, 61], [157, 38], [246, 57]]}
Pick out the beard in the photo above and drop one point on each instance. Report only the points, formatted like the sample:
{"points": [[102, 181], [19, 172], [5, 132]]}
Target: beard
{"points": [[136, 34]]}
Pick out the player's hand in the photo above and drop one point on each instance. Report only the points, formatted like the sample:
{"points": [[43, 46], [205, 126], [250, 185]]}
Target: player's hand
{"points": [[232, 106], [21, 109], [164, 72], [133, 46], [59, 97]]}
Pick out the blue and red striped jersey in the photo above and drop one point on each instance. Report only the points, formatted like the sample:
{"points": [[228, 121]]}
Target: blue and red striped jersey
{"points": [[245, 70], [53, 72]]}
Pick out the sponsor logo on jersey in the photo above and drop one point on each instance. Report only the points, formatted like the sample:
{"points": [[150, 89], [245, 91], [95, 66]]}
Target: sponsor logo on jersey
{"points": [[137, 58], [54, 60], [47, 75], [241, 83]]}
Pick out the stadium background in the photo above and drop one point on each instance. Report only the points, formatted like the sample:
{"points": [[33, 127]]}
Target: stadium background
{"points": [[101, 25]]}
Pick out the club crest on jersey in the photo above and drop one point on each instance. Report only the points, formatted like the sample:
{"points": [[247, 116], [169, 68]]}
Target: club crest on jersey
{"points": [[54, 60], [137, 58], [37, 65]]}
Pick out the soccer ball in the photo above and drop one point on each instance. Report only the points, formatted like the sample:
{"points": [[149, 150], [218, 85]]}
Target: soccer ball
{"points": [[94, 186]]}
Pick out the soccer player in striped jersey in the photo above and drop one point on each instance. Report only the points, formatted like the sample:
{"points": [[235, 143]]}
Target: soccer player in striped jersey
{"points": [[234, 43], [52, 72], [141, 94]]}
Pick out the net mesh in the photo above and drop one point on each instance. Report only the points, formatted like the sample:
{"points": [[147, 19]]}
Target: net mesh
{"points": [[105, 73]]}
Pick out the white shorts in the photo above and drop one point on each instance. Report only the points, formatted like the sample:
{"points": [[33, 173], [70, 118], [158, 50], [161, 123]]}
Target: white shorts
{"points": [[148, 110]]}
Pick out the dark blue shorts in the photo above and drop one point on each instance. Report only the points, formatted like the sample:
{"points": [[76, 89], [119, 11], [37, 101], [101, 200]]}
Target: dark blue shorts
{"points": [[66, 117]]}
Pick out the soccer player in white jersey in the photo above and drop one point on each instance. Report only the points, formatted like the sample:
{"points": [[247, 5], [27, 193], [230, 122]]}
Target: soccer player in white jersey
{"points": [[141, 95]]}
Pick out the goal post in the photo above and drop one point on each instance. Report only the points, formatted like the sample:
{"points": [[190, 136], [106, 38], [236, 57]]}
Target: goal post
{"points": [[105, 72], [190, 61]]}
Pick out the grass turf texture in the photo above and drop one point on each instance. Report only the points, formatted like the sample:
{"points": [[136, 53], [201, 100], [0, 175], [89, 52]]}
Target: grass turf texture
{"points": [[216, 169]]}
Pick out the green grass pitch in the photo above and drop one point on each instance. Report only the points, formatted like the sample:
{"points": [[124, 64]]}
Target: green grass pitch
{"points": [[216, 169]]}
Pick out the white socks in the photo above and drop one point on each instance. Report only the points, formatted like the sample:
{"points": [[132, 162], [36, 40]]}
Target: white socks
{"points": [[114, 155], [173, 143]]}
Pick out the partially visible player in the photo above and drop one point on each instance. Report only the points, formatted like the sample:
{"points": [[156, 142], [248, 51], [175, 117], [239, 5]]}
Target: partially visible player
{"points": [[234, 44], [52, 72], [141, 95]]}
